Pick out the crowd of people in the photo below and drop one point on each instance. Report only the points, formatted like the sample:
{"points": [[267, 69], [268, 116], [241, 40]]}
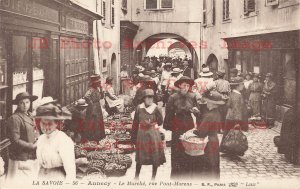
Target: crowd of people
{"points": [[209, 105]]}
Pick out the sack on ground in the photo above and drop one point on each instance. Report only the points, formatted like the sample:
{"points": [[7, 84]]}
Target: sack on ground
{"points": [[235, 142]]}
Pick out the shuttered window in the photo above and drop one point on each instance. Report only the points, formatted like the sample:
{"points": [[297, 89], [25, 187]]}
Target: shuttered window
{"points": [[112, 16], [104, 10], [225, 10], [249, 6], [151, 4], [166, 4], [124, 4], [204, 13]]}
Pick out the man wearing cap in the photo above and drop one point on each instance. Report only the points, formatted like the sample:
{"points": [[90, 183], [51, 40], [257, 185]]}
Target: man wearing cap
{"points": [[23, 136], [205, 82]]}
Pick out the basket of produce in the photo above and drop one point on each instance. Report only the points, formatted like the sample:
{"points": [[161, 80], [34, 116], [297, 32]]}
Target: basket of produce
{"points": [[100, 164], [79, 152], [115, 170], [113, 151], [96, 155], [94, 173], [192, 144], [90, 146], [127, 147], [107, 143], [123, 137], [125, 160]]}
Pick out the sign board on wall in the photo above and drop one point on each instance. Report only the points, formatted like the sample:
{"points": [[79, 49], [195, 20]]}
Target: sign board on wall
{"points": [[76, 25], [30, 8]]}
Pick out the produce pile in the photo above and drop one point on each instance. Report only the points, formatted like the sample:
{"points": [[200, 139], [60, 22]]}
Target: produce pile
{"points": [[108, 157]]}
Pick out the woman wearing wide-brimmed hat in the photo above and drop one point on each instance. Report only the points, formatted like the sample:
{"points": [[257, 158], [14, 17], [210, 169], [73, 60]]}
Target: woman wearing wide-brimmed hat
{"points": [[269, 95], [208, 166], [255, 89], [179, 119], [94, 127], [55, 150], [146, 136], [23, 135]]}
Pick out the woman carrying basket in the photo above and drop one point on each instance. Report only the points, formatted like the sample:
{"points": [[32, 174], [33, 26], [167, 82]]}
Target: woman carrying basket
{"points": [[209, 127]]}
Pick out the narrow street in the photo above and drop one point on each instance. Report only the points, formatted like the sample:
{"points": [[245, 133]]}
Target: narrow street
{"points": [[261, 161]]}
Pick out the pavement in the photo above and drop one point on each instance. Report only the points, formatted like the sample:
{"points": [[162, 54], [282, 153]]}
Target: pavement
{"points": [[261, 160]]}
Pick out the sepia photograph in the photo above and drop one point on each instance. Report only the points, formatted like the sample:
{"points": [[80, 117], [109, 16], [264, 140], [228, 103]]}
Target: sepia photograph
{"points": [[165, 94]]}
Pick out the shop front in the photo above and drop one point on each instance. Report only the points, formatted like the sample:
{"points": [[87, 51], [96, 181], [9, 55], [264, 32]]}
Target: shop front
{"points": [[45, 49], [277, 53]]}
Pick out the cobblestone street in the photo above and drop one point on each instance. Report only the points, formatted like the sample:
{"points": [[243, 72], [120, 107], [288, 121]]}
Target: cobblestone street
{"points": [[261, 161]]}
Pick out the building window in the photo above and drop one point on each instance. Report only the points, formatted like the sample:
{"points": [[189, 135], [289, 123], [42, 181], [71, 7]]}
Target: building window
{"points": [[225, 10], [204, 13], [249, 6], [158, 4], [213, 9], [272, 2], [112, 16], [104, 10]]}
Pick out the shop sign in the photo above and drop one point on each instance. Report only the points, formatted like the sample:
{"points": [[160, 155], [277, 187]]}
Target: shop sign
{"points": [[76, 25], [30, 8]]}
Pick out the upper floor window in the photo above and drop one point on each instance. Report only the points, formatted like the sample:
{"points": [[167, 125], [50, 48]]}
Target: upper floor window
{"points": [[226, 10], [204, 13], [249, 6], [112, 23], [158, 4], [104, 10]]}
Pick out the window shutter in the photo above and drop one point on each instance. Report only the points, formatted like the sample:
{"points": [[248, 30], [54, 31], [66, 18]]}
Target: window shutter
{"points": [[151, 4], [225, 9], [166, 4], [246, 7], [112, 15], [251, 5], [104, 9], [213, 12], [204, 13]]}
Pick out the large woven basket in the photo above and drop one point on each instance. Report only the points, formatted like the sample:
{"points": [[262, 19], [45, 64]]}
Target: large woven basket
{"points": [[193, 148]]}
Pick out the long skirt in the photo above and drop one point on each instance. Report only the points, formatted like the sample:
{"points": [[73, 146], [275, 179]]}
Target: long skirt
{"points": [[149, 147], [255, 103], [21, 172]]}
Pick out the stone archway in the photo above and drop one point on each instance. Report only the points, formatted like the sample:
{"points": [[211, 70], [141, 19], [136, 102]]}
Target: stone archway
{"points": [[143, 47], [212, 63]]}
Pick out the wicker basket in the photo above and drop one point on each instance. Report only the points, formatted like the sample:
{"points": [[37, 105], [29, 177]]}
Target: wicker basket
{"points": [[193, 148]]}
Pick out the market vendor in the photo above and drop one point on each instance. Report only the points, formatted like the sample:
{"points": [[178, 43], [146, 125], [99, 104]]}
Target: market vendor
{"points": [[113, 102], [94, 127], [55, 150]]}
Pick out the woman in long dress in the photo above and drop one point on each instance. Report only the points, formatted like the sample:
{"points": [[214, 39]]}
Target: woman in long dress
{"points": [[255, 89], [94, 124], [22, 164], [179, 119], [112, 100], [146, 136], [269, 94], [55, 150]]}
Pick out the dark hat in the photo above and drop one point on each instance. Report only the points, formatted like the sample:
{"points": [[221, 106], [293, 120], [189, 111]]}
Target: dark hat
{"points": [[52, 112], [213, 97], [24, 95], [96, 78], [234, 70], [109, 79], [221, 73], [236, 81], [148, 92], [168, 64], [184, 79], [81, 103], [249, 73]]}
